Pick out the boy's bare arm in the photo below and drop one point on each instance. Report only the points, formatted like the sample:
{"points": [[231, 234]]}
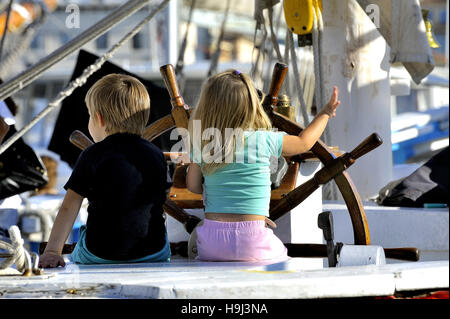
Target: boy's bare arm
{"points": [[61, 229], [293, 145]]}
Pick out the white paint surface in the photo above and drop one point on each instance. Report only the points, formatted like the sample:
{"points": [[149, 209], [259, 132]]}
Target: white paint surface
{"points": [[424, 228], [356, 60], [182, 279]]}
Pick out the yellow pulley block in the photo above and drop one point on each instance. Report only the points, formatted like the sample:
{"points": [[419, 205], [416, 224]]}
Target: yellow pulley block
{"points": [[299, 15], [429, 30]]}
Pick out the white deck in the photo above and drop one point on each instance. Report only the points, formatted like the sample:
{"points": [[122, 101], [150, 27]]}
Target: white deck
{"points": [[298, 278], [424, 228], [184, 279]]}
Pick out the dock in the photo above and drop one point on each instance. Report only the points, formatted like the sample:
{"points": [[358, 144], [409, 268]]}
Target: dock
{"points": [[297, 278], [186, 279]]}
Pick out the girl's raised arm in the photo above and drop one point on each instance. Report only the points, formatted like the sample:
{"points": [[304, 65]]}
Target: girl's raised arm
{"points": [[293, 145]]}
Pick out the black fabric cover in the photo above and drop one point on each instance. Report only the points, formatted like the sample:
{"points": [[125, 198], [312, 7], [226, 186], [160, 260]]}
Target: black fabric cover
{"points": [[428, 184], [21, 169], [74, 115]]}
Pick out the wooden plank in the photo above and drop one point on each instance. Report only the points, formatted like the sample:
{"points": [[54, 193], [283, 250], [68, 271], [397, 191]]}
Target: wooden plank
{"points": [[287, 185], [185, 199]]}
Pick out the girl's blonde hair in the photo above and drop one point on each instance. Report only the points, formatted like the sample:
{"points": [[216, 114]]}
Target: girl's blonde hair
{"points": [[228, 100], [122, 101]]}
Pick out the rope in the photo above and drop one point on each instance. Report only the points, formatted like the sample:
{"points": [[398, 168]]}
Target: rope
{"points": [[216, 55], [275, 45], [289, 49], [81, 80], [23, 44], [180, 63], [255, 72], [18, 255], [322, 87], [8, 15], [3, 6], [309, 77], [18, 82], [297, 79], [318, 66], [273, 35], [287, 85], [317, 74]]}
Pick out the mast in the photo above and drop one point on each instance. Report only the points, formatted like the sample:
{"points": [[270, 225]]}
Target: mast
{"points": [[356, 59], [446, 39], [172, 28]]}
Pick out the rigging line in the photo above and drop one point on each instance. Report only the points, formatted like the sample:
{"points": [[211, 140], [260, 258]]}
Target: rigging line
{"points": [[261, 47], [280, 58], [288, 89], [28, 76], [322, 91], [23, 43], [216, 55], [264, 52], [81, 80], [254, 61], [5, 31], [7, 62], [297, 80], [309, 77], [16, 250], [3, 7], [255, 72], [254, 48], [180, 63], [317, 74], [273, 36], [322, 87]]}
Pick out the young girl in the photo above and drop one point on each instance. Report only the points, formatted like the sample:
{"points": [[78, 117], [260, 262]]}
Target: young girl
{"points": [[231, 167]]}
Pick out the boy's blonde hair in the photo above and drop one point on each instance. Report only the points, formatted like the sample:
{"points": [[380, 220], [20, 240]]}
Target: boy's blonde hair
{"points": [[122, 101], [228, 100]]}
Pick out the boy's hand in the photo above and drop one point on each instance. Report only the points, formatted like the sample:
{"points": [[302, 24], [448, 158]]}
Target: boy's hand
{"points": [[333, 104], [51, 260]]}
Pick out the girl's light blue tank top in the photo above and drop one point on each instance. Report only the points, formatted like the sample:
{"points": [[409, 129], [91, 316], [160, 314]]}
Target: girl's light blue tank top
{"points": [[244, 186]]}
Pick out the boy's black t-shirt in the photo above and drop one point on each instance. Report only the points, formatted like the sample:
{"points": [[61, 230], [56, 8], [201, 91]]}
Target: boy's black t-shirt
{"points": [[124, 177]]}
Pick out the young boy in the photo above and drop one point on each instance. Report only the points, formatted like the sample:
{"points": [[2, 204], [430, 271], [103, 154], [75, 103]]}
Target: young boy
{"points": [[123, 176]]}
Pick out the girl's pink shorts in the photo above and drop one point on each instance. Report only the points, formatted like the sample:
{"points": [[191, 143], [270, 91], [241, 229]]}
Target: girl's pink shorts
{"points": [[238, 241]]}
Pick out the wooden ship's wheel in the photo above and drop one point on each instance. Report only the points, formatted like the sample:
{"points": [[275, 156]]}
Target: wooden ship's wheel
{"points": [[286, 196], [329, 160]]}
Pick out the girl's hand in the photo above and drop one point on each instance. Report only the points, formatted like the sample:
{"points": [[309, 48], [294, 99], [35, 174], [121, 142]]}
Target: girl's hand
{"points": [[51, 260], [333, 104]]}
